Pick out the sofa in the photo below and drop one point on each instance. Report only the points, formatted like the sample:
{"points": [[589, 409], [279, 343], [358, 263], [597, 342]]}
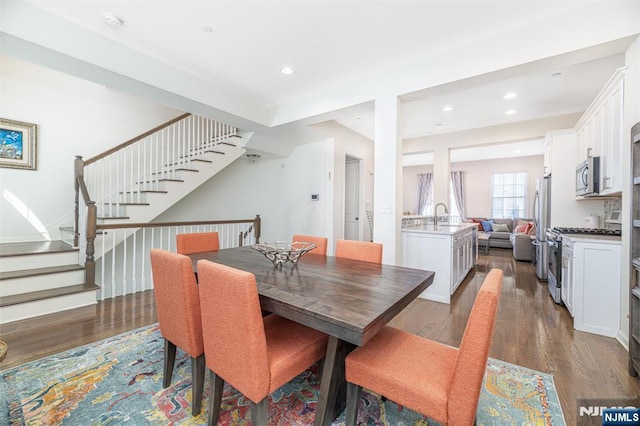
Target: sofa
{"points": [[501, 237]]}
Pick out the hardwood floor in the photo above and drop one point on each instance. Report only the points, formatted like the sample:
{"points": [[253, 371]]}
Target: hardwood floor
{"points": [[531, 331]]}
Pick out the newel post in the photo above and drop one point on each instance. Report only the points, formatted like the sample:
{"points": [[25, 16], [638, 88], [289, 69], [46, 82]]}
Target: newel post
{"points": [[256, 226], [90, 263]]}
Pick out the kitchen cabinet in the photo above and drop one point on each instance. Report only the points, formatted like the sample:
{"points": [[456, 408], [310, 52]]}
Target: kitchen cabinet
{"points": [[596, 284], [567, 289], [600, 133], [446, 250], [634, 284]]}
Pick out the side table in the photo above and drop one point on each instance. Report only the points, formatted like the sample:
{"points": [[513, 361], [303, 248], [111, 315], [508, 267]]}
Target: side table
{"points": [[483, 241]]}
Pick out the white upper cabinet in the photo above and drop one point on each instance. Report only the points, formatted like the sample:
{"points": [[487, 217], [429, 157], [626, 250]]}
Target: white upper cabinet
{"points": [[599, 133]]}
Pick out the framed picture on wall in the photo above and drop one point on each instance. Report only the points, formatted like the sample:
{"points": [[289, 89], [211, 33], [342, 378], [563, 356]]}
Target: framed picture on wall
{"points": [[18, 144]]}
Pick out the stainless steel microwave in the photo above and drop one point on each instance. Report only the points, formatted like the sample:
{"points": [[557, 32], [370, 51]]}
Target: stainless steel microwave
{"points": [[588, 177]]}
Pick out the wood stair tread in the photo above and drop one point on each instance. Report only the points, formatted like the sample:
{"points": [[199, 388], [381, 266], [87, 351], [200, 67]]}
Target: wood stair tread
{"points": [[46, 294], [213, 151], [112, 217], [35, 247], [39, 271]]}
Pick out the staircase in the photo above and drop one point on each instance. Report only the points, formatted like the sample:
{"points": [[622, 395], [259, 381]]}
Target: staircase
{"points": [[132, 183], [40, 278]]}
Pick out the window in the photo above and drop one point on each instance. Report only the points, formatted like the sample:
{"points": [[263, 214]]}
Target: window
{"points": [[508, 195], [454, 214]]}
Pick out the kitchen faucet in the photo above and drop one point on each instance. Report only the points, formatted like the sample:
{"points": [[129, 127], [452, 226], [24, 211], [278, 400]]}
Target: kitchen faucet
{"points": [[435, 213]]}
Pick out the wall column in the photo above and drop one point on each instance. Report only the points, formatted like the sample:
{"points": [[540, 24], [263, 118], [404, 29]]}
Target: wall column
{"points": [[441, 176], [387, 178]]}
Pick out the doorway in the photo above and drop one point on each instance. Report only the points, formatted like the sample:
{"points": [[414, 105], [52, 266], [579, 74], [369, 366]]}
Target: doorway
{"points": [[352, 199]]}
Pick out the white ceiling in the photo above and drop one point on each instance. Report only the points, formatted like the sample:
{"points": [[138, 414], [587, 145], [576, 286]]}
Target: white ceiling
{"points": [[341, 44]]}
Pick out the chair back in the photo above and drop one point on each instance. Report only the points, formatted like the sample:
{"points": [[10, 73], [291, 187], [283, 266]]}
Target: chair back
{"points": [[197, 242], [321, 243], [177, 300], [471, 362], [359, 250], [234, 336]]}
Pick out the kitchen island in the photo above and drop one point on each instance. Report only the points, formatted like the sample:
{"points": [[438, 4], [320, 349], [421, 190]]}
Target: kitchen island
{"points": [[447, 249]]}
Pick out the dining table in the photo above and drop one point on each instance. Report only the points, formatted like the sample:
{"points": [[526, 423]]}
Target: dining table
{"points": [[349, 300]]}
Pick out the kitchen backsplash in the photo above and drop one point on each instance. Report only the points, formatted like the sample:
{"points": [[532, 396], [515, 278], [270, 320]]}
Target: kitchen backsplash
{"points": [[612, 204]]}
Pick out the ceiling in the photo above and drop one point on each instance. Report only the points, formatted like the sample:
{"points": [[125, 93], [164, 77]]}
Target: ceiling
{"points": [[334, 46]]}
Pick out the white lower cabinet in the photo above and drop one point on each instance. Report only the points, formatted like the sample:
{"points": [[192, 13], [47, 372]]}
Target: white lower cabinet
{"points": [[596, 287], [450, 256], [568, 287]]}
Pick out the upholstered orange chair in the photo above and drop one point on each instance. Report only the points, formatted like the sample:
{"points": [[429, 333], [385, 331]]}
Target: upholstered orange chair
{"points": [[435, 380], [255, 355], [178, 308], [321, 243], [359, 250], [197, 242]]}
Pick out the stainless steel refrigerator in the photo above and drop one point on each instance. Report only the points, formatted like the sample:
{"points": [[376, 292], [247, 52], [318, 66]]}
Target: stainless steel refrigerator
{"points": [[542, 217]]}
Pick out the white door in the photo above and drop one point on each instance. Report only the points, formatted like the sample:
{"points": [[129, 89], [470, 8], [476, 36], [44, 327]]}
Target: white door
{"points": [[351, 199]]}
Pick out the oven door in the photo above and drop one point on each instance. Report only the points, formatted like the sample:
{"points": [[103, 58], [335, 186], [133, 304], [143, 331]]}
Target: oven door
{"points": [[554, 281]]}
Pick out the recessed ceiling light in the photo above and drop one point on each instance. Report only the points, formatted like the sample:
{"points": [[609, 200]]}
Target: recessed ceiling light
{"points": [[556, 74], [510, 111], [287, 70], [447, 108], [207, 29], [438, 124], [510, 95], [112, 20], [516, 151]]}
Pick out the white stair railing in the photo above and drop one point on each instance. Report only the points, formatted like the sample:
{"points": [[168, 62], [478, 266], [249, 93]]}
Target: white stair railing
{"points": [[123, 175]]}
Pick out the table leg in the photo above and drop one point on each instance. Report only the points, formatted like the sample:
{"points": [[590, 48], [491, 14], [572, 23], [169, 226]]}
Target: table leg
{"points": [[333, 385]]}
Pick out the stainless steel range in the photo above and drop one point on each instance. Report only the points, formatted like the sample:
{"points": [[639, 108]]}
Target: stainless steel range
{"points": [[554, 246]]}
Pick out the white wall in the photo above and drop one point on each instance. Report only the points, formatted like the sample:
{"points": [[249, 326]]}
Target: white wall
{"points": [[279, 190], [477, 182], [631, 116], [74, 117], [347, 142]]}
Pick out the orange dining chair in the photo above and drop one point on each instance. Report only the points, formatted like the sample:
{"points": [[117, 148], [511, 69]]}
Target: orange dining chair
{"points": [[178, 309], [197, 242], [430, 378], [253, 354], [359, 250], [321, 243]]}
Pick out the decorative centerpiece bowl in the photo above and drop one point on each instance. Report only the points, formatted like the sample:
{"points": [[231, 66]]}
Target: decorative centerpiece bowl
{"points": [[281, 252]]}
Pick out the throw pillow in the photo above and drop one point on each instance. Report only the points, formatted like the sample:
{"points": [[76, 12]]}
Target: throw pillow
{"points": [[500, 227], [531, 230], [521, 229], [479, 222], [487, 225]]}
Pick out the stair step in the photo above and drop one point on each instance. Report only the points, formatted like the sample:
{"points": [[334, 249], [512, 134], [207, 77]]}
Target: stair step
{"points": [[20, 256], [46, 294], [7, 275], [213, 151], [202, 160], [113, 217], [126, 204], [18, 282], [227, 143], [29, 305], [34, 247]]}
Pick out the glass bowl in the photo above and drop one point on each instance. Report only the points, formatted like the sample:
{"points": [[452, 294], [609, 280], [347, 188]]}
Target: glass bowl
{"points": [[281, 252]]}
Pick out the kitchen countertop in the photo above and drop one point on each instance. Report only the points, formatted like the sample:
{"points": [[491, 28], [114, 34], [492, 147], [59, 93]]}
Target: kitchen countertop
{"points": [[449, 229], [590, 238]]}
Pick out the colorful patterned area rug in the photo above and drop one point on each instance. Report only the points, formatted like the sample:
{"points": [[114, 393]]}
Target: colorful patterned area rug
{"points": [[119, 380]]}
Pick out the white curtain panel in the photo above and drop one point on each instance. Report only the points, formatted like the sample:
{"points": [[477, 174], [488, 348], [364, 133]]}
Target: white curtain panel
{"points": [[425, 187], [457, 180]]}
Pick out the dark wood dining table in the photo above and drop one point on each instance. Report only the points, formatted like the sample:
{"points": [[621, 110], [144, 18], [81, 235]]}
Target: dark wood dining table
{"points": [[349, 300]]}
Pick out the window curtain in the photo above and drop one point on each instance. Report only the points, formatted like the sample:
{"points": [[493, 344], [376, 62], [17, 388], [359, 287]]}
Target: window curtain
{"points": [[457, 182], [425, 187]]}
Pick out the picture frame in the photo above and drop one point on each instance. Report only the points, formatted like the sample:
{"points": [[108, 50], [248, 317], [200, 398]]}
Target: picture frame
{"points": [[18, 144]]}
